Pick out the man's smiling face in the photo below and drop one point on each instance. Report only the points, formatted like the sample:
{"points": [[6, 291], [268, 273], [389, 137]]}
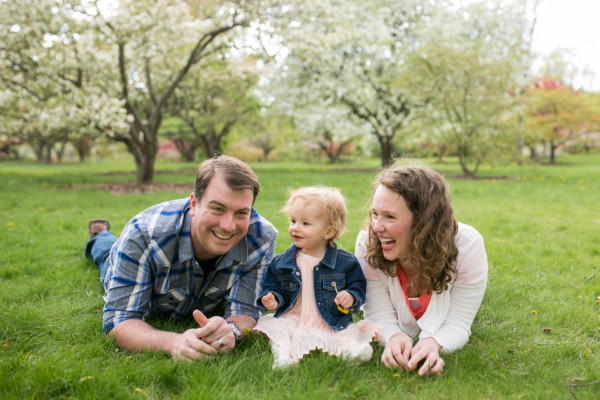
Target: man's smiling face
{"points": [[219, 219]]}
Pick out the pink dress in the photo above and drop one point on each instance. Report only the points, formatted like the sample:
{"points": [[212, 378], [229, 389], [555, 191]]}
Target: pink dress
{"points": [[302, 328]]}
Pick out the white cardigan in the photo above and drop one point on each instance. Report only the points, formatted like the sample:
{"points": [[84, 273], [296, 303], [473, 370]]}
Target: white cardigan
{"points": [[449, 316]]}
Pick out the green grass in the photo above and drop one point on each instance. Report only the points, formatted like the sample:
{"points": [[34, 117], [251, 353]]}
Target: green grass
{"points": [[541, 225]]}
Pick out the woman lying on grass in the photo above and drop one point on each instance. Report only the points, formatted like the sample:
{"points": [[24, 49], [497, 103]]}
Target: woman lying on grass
{"points": [[426, 273]]}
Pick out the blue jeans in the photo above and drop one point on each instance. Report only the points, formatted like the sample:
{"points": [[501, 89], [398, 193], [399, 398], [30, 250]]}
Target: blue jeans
{"points": [[98, 248]]}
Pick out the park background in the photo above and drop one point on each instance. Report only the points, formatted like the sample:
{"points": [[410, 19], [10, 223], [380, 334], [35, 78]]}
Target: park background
{"points": [[108, 107]]}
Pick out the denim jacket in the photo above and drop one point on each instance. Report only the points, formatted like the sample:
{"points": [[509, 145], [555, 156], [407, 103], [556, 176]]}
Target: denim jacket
{"points": [[284, 280]]}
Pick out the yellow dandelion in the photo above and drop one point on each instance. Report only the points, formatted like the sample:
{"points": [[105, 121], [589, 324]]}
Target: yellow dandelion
{"points": [[598, 299], [9, 224], [397, 376], [533, 312], [140, 391], [86, 378]]}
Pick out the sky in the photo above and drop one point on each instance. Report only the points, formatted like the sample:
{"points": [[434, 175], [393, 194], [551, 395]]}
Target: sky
{"points": [[573, 25]]}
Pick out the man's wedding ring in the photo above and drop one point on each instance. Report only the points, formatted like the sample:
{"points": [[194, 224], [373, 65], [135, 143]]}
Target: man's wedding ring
{"points": [[220, 341]]}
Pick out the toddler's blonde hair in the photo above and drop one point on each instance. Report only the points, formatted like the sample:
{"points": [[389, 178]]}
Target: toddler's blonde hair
{"points": [[333, 206]]}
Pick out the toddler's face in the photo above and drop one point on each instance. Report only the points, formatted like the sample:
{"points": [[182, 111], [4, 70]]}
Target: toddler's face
{"points": [[308, 228]]}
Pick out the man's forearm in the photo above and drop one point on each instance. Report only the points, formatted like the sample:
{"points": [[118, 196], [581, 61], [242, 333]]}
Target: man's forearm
{"points": [[136, 336]]}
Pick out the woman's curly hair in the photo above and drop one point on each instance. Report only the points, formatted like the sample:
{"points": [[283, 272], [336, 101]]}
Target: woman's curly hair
{"points": [[433, 248]]}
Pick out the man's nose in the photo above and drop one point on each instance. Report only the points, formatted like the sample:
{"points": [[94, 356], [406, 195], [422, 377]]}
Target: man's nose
{"points": [[228, 223]]}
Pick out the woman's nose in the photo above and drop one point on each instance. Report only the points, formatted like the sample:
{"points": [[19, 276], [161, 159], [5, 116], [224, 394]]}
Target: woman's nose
{"points": [[376, 225]]}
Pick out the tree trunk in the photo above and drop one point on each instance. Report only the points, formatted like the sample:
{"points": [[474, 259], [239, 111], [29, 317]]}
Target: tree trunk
{"points": [[61, 151], [553, 148], [38, 149], [144, 154], [388, 150], [532, 154], [463, 159], [48, 150], [187, 149], [441, 151]]}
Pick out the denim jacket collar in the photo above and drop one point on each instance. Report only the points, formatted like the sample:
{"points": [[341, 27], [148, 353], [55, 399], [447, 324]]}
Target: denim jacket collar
{"points": [[289, 258]]}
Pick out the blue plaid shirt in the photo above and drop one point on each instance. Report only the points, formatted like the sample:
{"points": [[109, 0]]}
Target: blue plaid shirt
{"points": [[153, 269]]}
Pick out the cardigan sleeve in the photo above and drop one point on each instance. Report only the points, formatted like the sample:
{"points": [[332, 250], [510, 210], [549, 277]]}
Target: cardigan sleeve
{"points": [[466, 293], [378, 306]]}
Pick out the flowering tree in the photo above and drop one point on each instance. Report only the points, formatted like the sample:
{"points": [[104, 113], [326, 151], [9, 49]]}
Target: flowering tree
{"points": [[345, 63], [81, 62], [211, 102], [473, 59], [556, 113], [50, 75], [155, 51]]}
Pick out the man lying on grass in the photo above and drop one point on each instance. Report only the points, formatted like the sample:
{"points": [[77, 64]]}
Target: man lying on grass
{"points": [[200, 255]]}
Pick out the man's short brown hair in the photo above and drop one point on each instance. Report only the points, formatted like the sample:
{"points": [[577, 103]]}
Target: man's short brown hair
{"points": [[237, 174]]}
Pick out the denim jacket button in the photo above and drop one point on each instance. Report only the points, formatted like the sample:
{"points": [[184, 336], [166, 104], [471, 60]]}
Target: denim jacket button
{"points": [[291, 285], [316, 269], [297, 272]]}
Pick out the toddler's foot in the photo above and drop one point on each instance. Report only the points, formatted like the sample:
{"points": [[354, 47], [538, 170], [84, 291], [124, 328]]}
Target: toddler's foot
{"points": [[281, 358], [282, 362], [362, 352]]}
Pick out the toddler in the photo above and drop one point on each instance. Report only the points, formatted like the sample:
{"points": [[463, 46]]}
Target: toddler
{"points": [[314, 286]]}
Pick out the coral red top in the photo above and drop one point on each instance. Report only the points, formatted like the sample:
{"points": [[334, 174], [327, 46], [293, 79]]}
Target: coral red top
{"points": [[416, 305]]}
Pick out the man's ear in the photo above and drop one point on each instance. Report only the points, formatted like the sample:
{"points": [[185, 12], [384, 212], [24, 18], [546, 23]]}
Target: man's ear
{"points": [[193, 203]]}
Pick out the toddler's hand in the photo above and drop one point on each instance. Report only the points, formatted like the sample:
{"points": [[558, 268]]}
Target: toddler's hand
{"points": [[269, 301], [344, 299]]}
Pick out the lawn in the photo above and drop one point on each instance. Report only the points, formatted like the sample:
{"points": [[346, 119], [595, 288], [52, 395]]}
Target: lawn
{"points": [[535, 337]]}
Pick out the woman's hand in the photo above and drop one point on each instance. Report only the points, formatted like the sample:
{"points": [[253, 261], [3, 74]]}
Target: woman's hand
{"points": [[269, 301], [427, 350], [397, 351]]}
